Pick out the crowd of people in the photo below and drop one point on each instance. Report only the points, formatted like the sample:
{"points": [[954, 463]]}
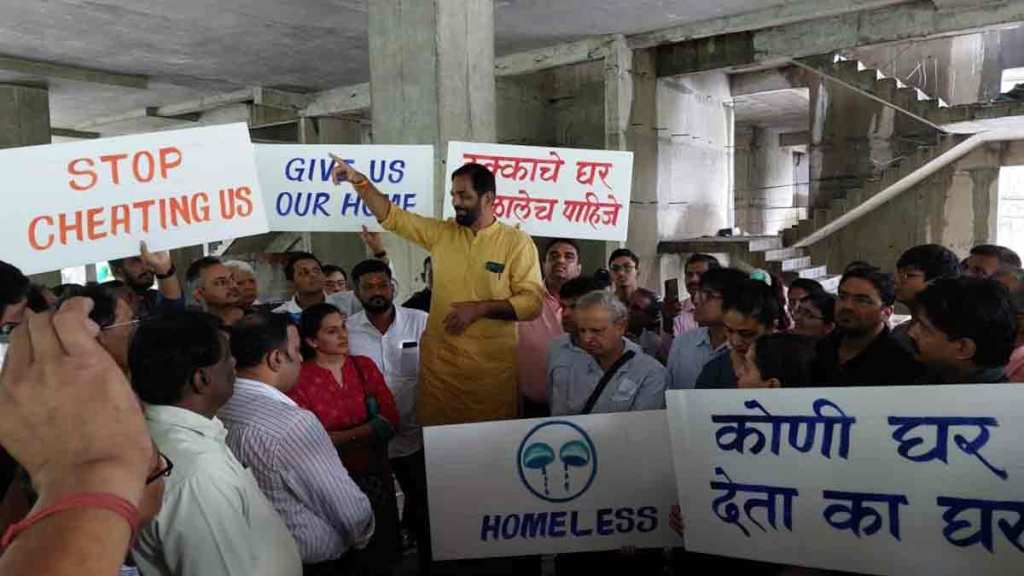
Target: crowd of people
{"points": [[217, 434]]}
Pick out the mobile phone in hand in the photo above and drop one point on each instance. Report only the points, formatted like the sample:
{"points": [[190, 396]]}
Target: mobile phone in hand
{"points": [[672, 290]]}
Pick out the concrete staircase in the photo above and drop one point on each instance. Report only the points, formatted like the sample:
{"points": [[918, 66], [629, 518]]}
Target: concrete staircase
{"points": [[749, 252], [845, 200]]}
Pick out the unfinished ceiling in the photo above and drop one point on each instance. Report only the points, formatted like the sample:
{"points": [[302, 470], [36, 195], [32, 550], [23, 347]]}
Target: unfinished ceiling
{"points": [[787, 109], [192, 48]]}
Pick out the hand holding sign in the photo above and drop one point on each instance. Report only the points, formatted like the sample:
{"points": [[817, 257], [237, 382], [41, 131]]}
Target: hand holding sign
{"points": [[158, 262]]}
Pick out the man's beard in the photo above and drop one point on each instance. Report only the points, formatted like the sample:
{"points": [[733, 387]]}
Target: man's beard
{"points": [[377, 304], [468, 217], [142, 281]]}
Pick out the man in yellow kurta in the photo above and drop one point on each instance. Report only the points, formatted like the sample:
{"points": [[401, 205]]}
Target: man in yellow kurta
{"points": [[486, 278]]}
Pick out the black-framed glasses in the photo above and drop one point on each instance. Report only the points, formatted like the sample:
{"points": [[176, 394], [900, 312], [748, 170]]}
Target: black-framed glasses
{"points": [[622, 267], [163, 469]]}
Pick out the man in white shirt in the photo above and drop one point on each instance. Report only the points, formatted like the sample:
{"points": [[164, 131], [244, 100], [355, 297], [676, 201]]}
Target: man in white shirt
{"points": [[390, 335], [215, 521], [288, 450], [306, 275]]}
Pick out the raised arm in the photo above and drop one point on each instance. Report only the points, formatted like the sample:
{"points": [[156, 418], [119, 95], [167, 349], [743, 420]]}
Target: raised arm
{"points": [[378, 203]]}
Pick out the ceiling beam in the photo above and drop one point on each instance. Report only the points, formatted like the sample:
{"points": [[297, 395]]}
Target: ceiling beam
{"points": [[150, 112], [908, 21], [912, 21], [76, 134], [768, 17], [206, 103], [345, 99], [76, 73], [578, 52]]}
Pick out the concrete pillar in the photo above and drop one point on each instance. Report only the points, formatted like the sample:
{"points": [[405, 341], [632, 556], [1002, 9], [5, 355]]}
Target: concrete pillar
{"points": [[24, 116], [631, 116], [431, 81], [985, 196], [25, 121]]}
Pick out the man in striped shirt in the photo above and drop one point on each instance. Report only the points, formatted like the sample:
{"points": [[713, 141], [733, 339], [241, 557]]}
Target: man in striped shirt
{"points": [[287, 449]]}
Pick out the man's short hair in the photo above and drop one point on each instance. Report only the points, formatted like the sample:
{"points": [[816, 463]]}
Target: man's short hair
{"points": [[754, 299], [256, 335], [117, 264], [723, 280], [608, 301], [858, 264], [241, 266], [807, 285], [933, 260], [787, 357], [654, 307], [624, 252], [882, 281], [579, 286], [698, 258], [104, 302], [1006, 256], [824, 302], [479, 176], [553, 241], [371, 266], [329, 269], [973, 308], [293, 259], [13, 285], [195, 269], [166, 352]]}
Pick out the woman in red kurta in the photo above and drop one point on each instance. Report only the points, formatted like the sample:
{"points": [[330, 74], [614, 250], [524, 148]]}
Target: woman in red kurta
{"points": [[350, 398]]}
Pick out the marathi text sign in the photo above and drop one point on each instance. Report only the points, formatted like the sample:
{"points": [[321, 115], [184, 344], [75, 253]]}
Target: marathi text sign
{"points": [[552, 485], [71, 204], [559, 192], [300, 196], [902, 480]]}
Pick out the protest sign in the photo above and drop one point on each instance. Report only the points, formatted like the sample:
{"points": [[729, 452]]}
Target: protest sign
{"points": [[554, 485], [72, 204], [300, 196], [557, 192], [902, 480]]}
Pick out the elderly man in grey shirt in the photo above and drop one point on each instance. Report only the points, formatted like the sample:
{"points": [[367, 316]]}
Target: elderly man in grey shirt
{"points": [[578, 364]]}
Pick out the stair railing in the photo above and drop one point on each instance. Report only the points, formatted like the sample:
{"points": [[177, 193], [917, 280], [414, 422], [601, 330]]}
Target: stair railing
{"points": [[913, 179]]}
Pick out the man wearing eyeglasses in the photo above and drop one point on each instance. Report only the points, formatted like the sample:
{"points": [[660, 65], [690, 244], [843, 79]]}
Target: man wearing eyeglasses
{"points": [[862, 351], [215, 521], [625, 268], [692, 350]]}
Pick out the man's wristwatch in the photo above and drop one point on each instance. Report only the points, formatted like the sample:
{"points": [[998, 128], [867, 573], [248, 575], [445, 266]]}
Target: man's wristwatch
{"points": [[170, 272]]}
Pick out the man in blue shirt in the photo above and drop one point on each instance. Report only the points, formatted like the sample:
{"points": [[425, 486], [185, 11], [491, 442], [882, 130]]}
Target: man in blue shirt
{"points": [[691, 350]]}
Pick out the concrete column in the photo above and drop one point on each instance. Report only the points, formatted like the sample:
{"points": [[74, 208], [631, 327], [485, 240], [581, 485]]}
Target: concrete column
{"points": [[25, 121], [431, 81], [985, 196], [24, 116], [631, 116]]}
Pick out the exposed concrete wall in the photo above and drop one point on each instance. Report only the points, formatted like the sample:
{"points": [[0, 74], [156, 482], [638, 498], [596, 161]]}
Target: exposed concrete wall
{"points": [[694, 155], [770, 187]]}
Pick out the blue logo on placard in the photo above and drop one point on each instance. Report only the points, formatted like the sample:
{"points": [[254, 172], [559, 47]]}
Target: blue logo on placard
{"points": [[557, 461]]}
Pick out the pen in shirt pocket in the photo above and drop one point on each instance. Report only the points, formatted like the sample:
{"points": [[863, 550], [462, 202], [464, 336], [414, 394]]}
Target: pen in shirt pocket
{"points": [[495, 267]]}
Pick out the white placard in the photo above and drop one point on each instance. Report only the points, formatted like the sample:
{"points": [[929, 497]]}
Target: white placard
{"points": [[557, 192], [554, 485], [922, 502], [300, 197], [84, 202]]}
